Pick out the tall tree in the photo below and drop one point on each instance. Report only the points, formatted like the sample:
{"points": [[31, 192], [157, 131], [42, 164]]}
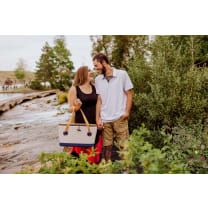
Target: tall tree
{"points": [[45, 64], [55, 65], [102, 44], [120, 48], [20, 70], [63, 66], [185, 50]]}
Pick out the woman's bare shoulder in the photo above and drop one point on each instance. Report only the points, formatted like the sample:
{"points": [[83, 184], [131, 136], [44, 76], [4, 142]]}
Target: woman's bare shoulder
{"points": [[72, 89]]}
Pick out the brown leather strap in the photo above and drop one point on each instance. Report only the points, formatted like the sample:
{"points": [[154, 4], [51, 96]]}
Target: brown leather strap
{"points": [[71, 120], [85, 119]]}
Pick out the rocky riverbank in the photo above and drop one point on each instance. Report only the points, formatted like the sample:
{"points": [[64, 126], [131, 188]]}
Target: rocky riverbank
{"points": [[29, 129], [10, 103]]}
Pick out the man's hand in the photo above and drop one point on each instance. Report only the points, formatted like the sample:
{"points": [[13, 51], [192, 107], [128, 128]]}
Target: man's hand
{"points": [[124, 116], [99, 124]]}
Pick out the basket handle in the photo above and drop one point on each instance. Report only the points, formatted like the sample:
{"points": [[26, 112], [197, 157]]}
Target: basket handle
{"points": [[86, 122], [71, 120]]}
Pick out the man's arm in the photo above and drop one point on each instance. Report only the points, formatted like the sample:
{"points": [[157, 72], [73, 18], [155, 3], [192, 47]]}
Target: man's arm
{"points": [[98, 107], [128, 104]]}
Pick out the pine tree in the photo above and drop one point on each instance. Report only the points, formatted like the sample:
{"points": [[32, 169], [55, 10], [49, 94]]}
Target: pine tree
{"points": [[55, 65], [63, 66], [20, 70], [45, 64]]}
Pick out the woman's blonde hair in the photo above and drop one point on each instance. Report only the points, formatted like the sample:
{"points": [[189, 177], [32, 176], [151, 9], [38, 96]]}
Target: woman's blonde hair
{"points": [[81, 76]]}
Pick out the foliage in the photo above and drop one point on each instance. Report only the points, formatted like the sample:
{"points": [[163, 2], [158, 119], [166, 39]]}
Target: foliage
{"points": [[197, 53], [45, 64], [48, 101], [55, 66], [102, 43], [19, 72], [165, 93], [119, 48], [36, 85], [189, 144], [63, 66], [138, 154], [62, 97], [66, 163]]}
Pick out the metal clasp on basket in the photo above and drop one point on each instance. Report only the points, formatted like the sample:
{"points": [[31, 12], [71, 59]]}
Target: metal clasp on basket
{"points": [[78, 129]]}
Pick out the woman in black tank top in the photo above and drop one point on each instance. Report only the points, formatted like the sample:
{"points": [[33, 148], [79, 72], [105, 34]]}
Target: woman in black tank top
{"points": [[83, 94], [88, 105]]}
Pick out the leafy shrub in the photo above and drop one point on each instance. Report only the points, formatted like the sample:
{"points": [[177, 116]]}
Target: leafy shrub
{"points": [[189, 145], [138, 155], [64, 163], [62, 97], [169, 97], [35, 85], [168, 87]]}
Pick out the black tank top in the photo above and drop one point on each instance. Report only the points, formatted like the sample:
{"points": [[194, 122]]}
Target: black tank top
{"points": [[88, 106]]}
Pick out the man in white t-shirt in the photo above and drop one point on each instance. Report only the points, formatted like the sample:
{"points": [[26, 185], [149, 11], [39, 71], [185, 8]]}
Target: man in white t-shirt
{"points": [[114, 90]]}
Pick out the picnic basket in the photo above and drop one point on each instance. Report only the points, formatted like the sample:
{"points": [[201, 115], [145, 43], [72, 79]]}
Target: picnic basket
{"points": [[77, 134]]}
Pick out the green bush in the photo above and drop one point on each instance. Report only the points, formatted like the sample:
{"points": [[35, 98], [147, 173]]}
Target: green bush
{"points": [[169, 97], [168, 87], [62, 97], [35, 85], [189, 145], [138, 155]]}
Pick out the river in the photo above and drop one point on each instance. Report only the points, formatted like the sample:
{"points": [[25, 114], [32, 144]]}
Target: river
{"points": [[29, 129], [5, 96]]}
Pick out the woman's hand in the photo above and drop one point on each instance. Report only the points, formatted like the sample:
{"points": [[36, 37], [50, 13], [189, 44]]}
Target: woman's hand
{"points": [[78, 103]]}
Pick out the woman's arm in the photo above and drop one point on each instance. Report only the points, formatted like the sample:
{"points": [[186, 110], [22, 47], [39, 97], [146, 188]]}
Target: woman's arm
{"points": [[73, 101]]}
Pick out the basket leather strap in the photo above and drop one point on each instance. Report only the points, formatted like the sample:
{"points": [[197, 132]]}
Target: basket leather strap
{"points": [[85, 119], [71, 120]]}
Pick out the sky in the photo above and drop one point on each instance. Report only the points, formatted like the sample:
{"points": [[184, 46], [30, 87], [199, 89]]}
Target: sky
{"points": [[28, 48]]}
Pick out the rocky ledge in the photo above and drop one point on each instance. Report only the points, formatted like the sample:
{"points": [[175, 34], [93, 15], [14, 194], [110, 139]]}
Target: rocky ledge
{"points": [[10, 103]]}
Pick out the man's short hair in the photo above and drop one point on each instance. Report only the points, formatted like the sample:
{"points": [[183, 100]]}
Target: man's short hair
{"points": [[101, 57]]}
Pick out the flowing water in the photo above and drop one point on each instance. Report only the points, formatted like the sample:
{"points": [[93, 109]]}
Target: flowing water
{"points": [[29, 129], [5, 96]]}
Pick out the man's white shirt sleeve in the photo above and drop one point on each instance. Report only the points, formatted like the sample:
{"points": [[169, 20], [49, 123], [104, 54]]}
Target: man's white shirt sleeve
{"points": [[127, 82]]}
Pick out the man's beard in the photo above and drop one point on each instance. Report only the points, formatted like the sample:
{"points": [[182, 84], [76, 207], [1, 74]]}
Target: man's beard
{"points": [[103, 70]]}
